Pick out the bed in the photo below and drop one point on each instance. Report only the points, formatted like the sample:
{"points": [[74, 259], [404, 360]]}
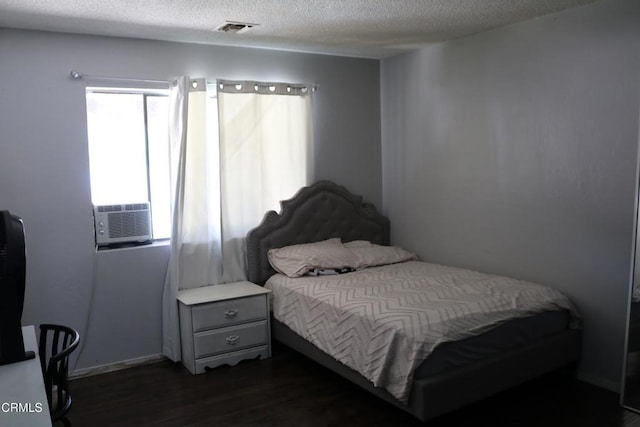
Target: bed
{"points": [[442, 374]]}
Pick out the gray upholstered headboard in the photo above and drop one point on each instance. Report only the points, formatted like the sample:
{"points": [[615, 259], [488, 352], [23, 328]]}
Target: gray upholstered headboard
{"points": [[317, 212]]}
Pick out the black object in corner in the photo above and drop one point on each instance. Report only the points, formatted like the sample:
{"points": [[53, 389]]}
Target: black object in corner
{"points": [[12, 287]]}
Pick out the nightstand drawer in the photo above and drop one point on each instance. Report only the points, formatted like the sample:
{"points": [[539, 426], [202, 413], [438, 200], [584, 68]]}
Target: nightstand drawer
{"points": [[230, 312], [228, 339]]}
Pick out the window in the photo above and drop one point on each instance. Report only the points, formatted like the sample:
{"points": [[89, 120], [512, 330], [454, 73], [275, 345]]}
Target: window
{"points": [[129, 150]]}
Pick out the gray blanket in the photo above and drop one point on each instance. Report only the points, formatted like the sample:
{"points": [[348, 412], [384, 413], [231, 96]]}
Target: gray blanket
{"points": [[384, 321]]}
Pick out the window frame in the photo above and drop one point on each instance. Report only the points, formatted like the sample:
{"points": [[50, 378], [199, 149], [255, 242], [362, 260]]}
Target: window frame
{"points": [[145, 92]]}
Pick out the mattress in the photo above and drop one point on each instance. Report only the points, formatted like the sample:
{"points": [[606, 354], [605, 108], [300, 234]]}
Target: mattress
{"points": [[385, 321], [506, 336]]}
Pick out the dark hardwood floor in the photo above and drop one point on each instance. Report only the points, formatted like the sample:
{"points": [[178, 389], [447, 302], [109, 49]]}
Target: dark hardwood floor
{"points": [[290, 390]]}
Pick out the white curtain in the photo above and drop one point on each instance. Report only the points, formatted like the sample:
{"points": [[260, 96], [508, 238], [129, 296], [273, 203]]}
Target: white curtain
{"points": [[265, 156], [223, 187], [195, 258]]}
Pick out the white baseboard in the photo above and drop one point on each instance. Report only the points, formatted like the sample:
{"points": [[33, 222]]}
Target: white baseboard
{"points": [[599, 382], [110, 367]]}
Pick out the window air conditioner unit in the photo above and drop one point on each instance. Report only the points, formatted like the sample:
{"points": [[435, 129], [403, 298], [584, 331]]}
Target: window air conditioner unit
{"points": [[122, 223]]}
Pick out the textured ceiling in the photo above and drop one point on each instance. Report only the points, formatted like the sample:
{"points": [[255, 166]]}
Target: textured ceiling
{"points": [[360, 28]]}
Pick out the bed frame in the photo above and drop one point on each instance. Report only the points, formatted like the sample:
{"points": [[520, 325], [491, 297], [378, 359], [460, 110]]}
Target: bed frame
{"points": [[325, 210]]}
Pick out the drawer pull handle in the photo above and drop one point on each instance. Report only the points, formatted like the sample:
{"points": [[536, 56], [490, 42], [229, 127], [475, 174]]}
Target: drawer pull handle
{"points": [[233, 339], [230, 314]]}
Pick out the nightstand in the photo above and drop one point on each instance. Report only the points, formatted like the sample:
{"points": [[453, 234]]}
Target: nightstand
{"points": [[223, 324]]}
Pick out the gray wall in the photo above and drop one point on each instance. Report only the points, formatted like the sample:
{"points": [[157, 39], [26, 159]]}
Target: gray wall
{"points": [[514, 152], [44, 171]]}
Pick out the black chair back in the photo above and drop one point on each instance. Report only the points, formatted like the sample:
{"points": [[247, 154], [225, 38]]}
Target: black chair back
{"points": [[57, 342]]}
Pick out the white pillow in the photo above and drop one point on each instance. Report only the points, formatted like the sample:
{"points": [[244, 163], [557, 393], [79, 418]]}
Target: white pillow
{"points": [[370, 255], [297, 260]]}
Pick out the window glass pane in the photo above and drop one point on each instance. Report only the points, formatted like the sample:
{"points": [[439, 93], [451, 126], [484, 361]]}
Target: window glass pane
{"points": [[117, 149], [159, 167]]}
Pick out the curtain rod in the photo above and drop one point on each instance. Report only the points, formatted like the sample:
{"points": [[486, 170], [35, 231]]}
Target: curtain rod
{"points": [[250, 86], [76, 75]]}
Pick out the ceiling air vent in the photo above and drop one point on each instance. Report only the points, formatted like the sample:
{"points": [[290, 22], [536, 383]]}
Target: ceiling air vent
{"points": [[235, 27]]}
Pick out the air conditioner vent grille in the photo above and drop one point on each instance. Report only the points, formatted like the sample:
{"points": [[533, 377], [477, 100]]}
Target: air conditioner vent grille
{"points": [[136, 206], [129, 224], [110, 208]]}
